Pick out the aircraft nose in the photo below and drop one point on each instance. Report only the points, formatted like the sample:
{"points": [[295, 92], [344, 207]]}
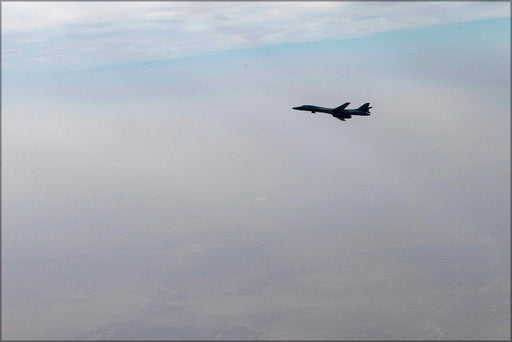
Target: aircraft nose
{"points": [[296, 107]]}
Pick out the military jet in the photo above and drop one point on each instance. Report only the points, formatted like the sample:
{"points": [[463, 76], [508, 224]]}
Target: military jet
{"points": [[339, 112]]}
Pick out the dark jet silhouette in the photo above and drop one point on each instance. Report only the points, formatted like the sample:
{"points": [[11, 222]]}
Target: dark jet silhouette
{"points": [[338, 112]]}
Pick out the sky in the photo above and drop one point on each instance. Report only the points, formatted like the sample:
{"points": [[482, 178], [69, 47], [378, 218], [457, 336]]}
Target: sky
{"points": [[156, 183]]}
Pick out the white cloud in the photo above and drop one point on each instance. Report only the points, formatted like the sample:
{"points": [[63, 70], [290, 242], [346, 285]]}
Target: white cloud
{"points": [[30, 16], [145, 31]]}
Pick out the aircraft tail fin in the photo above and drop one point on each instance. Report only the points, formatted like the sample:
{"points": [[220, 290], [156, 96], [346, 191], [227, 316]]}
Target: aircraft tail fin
{"points": [[365, 108]]}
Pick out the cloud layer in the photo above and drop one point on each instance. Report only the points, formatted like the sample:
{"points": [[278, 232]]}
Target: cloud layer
{"points": [[83, 34]]}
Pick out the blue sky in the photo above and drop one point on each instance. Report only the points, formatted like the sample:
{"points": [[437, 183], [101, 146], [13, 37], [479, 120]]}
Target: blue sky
{"points": [[155, 175]]}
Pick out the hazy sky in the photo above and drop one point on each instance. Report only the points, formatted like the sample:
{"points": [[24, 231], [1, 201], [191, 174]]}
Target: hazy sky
{"points": [[156, 183]]}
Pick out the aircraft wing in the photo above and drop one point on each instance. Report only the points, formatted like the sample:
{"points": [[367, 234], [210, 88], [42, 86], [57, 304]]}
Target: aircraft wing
{"points": [[342, 117], [340, 108]]}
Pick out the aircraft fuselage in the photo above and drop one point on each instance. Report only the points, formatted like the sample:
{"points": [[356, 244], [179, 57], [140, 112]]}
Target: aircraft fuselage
{"points": [[314, 109]]}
